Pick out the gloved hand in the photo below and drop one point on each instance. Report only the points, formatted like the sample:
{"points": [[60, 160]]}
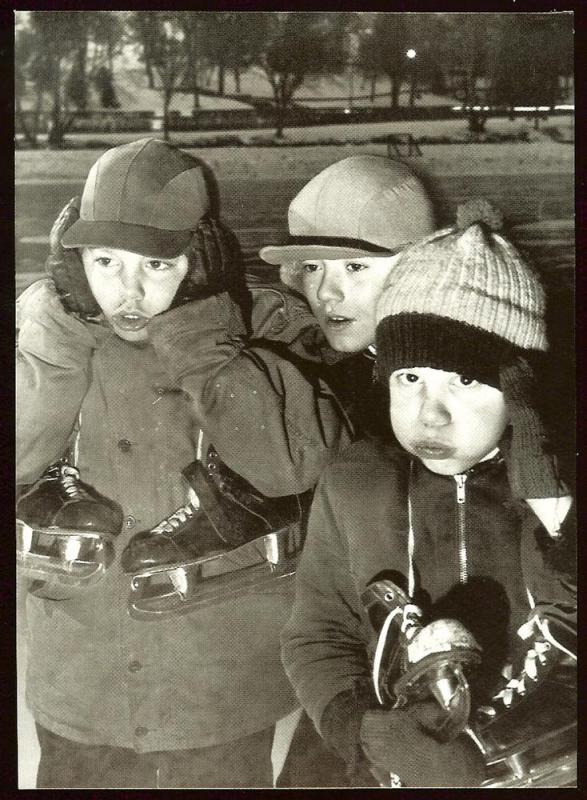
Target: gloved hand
{"points": [[66, 268], [215, 266], [398, 743]]}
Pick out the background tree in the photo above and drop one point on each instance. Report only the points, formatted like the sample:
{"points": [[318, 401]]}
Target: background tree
{"points": [[167, 54], [529, 58], [56, 37], [26, 56], [299, 44], [383, 51]]}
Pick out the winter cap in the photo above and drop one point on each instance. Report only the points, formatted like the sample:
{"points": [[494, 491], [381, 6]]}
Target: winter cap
{"points": [[462, 300], [146, 197], [364, 205]]}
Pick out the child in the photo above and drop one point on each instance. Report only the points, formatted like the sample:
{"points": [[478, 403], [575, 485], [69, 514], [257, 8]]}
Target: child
{"points": [[188, 701], [347, 227], [471, 511]]}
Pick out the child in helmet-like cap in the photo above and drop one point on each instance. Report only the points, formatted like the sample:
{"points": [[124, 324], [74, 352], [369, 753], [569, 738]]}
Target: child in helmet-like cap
{"points": [[468, 519], [190, 700]]}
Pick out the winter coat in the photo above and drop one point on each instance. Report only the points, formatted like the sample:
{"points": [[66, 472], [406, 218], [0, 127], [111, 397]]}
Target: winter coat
{"points": [[95, 674], [279, 409], [358, 530]]}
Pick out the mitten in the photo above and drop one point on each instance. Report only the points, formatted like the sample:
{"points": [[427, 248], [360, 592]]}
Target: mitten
{"points": [[215, 266], [532, 469], [402, 753], [66, 268]]}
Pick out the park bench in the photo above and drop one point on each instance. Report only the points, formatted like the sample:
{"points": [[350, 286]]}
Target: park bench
{"points": [[398, 142]]}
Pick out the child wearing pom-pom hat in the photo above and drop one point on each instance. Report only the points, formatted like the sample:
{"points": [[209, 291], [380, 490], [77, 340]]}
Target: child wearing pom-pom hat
{"points": [[470, 513]]}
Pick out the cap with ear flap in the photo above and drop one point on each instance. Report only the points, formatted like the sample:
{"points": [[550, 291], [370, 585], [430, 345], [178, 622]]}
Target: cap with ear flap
{"points": [[147, 197]]}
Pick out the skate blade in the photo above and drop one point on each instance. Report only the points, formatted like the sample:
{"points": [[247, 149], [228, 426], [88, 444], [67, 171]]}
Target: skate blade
{"points": [[166, 591], [532, 767], [72, 557]]}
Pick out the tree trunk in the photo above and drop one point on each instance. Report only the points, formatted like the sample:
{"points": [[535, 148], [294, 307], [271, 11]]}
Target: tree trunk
{"points": [[149, 71], [237, 79], [221, 72], [373, 87], [166, 104], [395, 90], [55, 132], [412, 89]]}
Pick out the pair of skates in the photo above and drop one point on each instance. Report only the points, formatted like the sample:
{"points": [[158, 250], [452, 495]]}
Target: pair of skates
{"points": [[225, 541], [526, 732]]}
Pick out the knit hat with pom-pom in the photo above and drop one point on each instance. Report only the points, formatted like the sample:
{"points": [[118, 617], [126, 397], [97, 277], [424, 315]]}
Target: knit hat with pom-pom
{"points": [[462, 300]]}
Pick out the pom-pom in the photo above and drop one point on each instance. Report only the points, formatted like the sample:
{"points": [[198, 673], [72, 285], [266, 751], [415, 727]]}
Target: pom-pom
{"points": [[479, 210]]}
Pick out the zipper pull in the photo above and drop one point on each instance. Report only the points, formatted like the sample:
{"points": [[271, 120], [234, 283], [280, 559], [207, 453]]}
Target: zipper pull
{"points": [[460, 479]]}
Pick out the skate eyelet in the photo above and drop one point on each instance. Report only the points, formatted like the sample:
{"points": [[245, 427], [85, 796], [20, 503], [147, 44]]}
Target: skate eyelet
{"points": [[389, 596]]}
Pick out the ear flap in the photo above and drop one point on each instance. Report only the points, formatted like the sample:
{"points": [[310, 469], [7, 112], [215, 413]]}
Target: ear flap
{"points": [[66, 268]]}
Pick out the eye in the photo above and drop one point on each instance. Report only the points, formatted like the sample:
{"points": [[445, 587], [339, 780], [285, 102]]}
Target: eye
{"points": [[465, 380], [311, 267], [104, 261], [356, 266], [157, 265], [407, 377]]}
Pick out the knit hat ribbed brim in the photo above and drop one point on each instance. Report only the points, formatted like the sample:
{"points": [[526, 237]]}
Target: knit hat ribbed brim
{"points": [[463, 298]]}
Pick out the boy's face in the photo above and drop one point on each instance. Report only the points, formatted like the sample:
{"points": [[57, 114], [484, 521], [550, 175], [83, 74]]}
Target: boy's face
{"points": [[342, 294], [131, 288], [449, 421]]}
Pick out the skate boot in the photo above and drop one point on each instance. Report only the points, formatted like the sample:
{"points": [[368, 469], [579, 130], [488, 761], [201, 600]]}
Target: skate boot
{"points": [[415, 661], [223, 542], [65, 531], [527, 732]]}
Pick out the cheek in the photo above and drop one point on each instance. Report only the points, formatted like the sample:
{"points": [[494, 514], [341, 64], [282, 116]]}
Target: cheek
{"points": [[310, 289]]}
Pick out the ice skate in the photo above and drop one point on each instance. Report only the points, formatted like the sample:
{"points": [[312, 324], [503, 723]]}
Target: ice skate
{"points": [[527, 732], [226, 540], [414, 660], [65, 529]]}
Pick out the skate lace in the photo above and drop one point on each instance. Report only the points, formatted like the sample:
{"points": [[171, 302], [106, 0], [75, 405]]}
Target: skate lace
{"points": [[173, 521], [70, 482], [516, 686], [410, 624]]}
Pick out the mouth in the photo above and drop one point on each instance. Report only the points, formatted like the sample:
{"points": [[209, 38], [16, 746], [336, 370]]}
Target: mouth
{"points": [[432, 449], [337, 321], [130, 320]]}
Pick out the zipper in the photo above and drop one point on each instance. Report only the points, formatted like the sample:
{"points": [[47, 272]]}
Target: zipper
{"points": [[462, 541]]}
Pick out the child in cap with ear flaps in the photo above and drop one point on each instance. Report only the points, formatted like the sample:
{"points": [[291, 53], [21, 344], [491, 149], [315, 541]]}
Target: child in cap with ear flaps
{"points": [[469, 521], [190, 700]]}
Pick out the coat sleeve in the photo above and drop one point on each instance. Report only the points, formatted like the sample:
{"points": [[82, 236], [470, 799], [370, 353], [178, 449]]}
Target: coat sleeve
{"points": [[324, 643], [52, 374], [269, 418], [550, 570]]}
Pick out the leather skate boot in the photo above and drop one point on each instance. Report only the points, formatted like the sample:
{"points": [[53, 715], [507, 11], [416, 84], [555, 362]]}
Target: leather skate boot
{"points": [[226, 539], [531, 720], [65, 530], [414, 661]]}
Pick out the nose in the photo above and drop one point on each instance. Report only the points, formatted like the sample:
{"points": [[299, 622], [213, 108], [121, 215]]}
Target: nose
{"points": [[132, 286], [434, 411], [330, 287]]}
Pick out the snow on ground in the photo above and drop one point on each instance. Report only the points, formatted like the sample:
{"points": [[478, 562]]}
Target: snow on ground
{"points": [[542, 155]]}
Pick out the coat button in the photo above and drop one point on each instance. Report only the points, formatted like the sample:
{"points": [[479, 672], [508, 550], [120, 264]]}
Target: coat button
{"points": [[124, 445], [279, 321], [140, 731], [160, 390], [130, 521], [135, 666]]}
